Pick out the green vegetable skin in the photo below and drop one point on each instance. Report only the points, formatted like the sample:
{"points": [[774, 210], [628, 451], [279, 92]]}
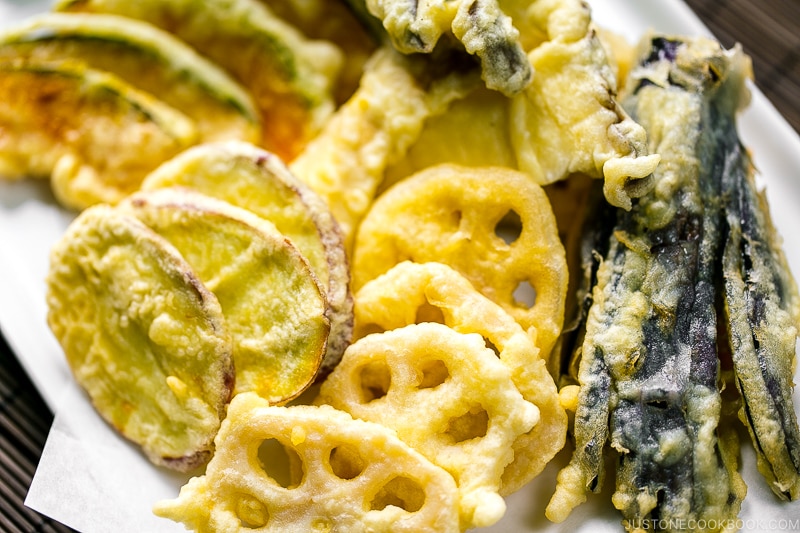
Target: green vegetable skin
{"points": [[650, 367], [147, 58], [481, 27], [761, 304], [289, 77]]}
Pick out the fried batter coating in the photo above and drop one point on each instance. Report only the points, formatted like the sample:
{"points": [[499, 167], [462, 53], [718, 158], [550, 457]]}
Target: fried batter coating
{"points": [[142, 335], [147, 58], [93, 135], [335, 22], [452, 214], [762, 309], [480, 25], [649, 373], [568, 119], [448, 396], [412, 293], [306, 468], [474, 131], [254, 179], [271, 300], [345, 164], [290, 78]]}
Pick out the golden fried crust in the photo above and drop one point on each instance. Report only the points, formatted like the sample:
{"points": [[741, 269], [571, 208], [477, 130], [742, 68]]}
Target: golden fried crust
{"points": [[146, 57], [346, 162], [289, 77], [142, 335], [339, 475], [93, 135], [452, 215], [334, 21], [271, 299], [448, 396], [432, 292], [257, 180]]}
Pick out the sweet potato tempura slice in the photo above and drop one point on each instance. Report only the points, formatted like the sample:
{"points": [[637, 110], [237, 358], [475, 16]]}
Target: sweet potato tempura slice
{"points": [[258, 181], [142, 335], [271, 300]]}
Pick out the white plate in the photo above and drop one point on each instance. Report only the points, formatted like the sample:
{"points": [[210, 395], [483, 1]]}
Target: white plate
{"points": [[105, 481]]}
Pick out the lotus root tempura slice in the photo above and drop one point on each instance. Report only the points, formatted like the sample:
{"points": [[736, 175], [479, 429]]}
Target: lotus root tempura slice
{"points": [[447, 395], [455, 215], [412, 293], [306, 468]]}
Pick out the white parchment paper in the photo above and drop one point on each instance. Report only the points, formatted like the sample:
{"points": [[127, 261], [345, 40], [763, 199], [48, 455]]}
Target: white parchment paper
{"points": [[94, 481]]}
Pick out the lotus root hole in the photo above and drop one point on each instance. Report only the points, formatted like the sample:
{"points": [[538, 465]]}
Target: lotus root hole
{"points": [[455, 219], [346, 462], [473, 424], [401, 492], [525, 295], [509, 228], [429, 313], [434, 373], [374, 379], [280, 463], [251, 512]]}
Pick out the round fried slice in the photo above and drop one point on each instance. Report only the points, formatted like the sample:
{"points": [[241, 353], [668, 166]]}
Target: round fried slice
{"points": [[142, 335], [307, 468], [94, 135], [455, 215], [291, 78], [257, 180], [271, 300], [447, 396], [411, 293], [149, 59]]}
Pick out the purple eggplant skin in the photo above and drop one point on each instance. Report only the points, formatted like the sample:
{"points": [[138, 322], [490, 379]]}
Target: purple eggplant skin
{"points": [[673, 463], [761, 306], [649, 374]]}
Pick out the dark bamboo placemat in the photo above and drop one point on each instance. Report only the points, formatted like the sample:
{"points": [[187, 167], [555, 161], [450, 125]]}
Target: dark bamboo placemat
{"points": [[24, 423], [768, 31]]}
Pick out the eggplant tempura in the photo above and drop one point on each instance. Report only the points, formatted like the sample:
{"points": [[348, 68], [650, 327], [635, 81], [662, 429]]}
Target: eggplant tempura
{"points": [[695, 252]]}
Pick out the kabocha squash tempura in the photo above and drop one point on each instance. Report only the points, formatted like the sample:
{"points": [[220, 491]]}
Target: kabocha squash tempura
{"points": [[145, 57], [289, 77]]}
